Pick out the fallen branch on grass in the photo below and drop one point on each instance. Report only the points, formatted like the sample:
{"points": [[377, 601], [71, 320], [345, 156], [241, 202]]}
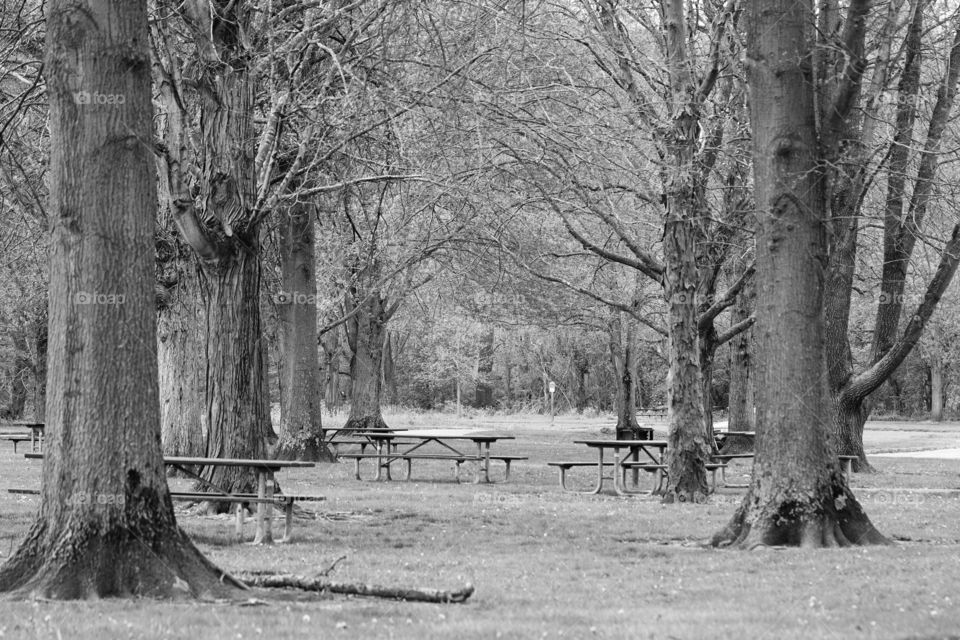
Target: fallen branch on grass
{"points": [[291, 581]]}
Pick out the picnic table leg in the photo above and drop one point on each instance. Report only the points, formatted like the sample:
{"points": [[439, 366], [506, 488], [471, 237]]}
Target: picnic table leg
{"points": [[484, 463], [599, 486], [287, 520], [264, 509], [239, 521]]}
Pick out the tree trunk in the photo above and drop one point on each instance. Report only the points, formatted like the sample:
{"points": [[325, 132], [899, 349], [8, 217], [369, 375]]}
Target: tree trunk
{"points": [[623, 356], [22, 367], [936, 388], [484, 392], [740, 416], [330, 344], [389, 372], [220, 224], [301, 432], [236, 409], [798, 495], [366, 331], [40, 362], [106, 526], [180, 353]]}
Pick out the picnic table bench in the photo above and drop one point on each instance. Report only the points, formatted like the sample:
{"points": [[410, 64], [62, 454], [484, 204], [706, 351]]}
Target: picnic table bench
{"points": [[265, 498], [35, 436], [16, 438]]}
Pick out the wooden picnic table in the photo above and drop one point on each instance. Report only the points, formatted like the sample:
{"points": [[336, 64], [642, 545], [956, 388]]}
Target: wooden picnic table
{"points": [[446, 441], [652, 449], [266, 482], [36, 432]]}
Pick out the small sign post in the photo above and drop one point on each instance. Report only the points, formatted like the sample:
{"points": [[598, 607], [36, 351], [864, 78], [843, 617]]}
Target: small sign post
{"points": [[553, 388]]}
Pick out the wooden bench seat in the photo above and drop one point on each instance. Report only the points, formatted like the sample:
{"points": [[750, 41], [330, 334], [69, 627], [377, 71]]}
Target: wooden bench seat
{"points": [[280, 500], [16, 438], [457, 459], [662, 469], [565, 465]]}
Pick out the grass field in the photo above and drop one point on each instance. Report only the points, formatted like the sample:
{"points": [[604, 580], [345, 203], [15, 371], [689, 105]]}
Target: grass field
{"points": [[551, 564]]}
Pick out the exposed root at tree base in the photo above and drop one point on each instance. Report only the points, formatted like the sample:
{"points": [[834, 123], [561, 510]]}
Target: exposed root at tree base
{"points": [[681, 497], [313, 450], [832, 521], [80, 564], [365, 423], [322, 585]]}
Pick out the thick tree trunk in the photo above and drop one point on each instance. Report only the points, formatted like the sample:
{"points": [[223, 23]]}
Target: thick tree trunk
{"points": [[798, 494], [236, 409], [180, 354], [220, 224], [366, 332], [301, 433], [106, 526]]}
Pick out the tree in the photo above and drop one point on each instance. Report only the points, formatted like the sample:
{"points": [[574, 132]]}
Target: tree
{"points": [[301, 432], [106, 525], [798, 494], [212, 192]]}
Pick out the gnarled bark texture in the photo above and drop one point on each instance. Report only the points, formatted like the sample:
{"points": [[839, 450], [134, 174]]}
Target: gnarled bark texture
{"points": [[180, 353], [106, 526], [797, 496]]}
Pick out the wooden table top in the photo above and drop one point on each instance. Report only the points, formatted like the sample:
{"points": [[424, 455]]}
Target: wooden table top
{"points": [[218, 462], [620, 444]]}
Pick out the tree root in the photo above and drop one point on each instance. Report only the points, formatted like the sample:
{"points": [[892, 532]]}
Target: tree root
{"points": [[85, 564], [322, 585], [827, 522]]}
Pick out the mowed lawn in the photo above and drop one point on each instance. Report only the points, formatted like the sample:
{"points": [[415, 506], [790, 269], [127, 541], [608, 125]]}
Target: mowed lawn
{"points": [[547, 563]]}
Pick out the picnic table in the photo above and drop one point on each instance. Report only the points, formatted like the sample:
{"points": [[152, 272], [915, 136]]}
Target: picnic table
{"points": [[35, 436], [415, 443], [652, 450], [265, 497]]}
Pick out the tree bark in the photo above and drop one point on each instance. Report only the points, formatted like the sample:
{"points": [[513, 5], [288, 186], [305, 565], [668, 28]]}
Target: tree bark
{"points": [[301, 431], [20, 372], [740, 417], [180, 354], [236, 409], [797, 495], [623, 356], [106, 526], [222, 227], [365, 332], [936, 388]]}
